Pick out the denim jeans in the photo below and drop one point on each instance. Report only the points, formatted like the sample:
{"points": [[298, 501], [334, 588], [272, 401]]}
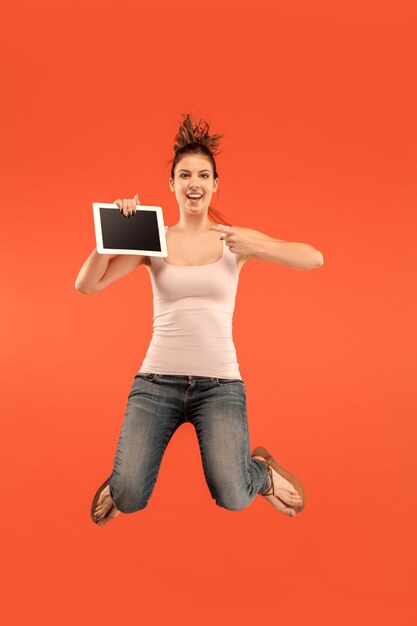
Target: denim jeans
{"points": [[157, 405]]}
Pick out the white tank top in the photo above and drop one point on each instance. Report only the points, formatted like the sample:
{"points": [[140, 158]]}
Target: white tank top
{"points": [[193, 309]]}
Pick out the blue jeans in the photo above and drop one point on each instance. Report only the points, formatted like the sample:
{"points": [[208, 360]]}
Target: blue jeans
{"points": [[157, 405]]}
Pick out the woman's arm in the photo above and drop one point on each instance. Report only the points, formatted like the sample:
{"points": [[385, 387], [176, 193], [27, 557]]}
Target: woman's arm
{"points": [[249, 243], [294, 254], [100, 270]]}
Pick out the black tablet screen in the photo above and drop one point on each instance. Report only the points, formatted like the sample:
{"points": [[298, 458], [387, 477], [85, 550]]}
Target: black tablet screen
{"points": [[138, 232]]}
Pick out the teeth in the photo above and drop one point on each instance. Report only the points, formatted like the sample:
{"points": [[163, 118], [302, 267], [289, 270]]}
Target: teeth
{"points": [[193, 196]]}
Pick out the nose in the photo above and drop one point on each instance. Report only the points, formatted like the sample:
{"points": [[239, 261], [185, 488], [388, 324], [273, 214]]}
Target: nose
{"points": [[194, 179]]}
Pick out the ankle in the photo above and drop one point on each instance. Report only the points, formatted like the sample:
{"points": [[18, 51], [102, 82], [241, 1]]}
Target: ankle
{"points": [[270, 481]]}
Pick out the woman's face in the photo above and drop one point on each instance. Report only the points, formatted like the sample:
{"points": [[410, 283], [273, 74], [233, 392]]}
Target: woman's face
{"points": [[193, 174]]}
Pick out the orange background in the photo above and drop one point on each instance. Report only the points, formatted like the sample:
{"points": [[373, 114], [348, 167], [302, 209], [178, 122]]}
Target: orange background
{"points": [[317, 104]]}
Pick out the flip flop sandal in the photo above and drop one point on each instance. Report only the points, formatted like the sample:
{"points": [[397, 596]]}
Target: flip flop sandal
{"points": [[95, 500], [271, 462]]}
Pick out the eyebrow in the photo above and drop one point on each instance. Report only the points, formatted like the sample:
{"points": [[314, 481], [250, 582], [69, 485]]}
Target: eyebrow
{"points": [[182, 170]]}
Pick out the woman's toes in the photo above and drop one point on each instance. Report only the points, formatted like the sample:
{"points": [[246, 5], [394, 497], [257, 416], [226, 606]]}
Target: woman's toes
{"points": [[111, 515], [102, 509], [99, 510], [280, 506], [289, 511]]}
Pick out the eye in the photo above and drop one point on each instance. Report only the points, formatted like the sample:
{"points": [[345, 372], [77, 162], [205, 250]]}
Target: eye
{"points": [[205, 175]]}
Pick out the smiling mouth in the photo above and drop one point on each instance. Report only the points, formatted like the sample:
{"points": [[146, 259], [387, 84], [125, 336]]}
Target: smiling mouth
{"points": [[193, 198]]}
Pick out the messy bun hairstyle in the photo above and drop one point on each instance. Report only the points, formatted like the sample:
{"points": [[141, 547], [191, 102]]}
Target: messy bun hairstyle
{"points": [[194, 138]]}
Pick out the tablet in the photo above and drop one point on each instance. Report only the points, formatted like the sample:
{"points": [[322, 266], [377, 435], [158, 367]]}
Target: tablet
{"points": [[142, 233]]}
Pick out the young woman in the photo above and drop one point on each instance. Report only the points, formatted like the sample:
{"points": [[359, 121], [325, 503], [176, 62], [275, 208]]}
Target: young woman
{"points": [[190, 372]]}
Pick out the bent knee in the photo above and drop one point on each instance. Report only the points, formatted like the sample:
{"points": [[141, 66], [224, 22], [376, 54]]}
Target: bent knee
{"points": [[233, 504]]}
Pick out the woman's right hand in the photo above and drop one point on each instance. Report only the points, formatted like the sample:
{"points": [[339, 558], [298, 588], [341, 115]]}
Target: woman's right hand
{"points": [[128, 207]]}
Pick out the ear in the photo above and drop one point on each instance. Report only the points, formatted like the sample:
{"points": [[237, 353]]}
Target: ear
{"points": [[216, 184], [171, 184]]}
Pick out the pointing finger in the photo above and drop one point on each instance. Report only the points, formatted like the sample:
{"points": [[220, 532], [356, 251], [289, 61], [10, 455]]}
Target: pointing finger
{"points": [[221, 228]]}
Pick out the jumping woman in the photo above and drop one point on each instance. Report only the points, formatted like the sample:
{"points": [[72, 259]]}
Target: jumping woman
{"points": [[190, 372]]}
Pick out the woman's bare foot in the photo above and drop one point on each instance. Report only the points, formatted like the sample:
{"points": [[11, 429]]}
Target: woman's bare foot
{"points": [[284, 489], [105, 509]]}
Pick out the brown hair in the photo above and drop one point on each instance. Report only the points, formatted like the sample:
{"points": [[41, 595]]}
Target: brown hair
{"points": [[196, 140]]}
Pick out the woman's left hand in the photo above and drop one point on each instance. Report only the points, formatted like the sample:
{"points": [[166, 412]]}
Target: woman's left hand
{"points": [[239, 239]]}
